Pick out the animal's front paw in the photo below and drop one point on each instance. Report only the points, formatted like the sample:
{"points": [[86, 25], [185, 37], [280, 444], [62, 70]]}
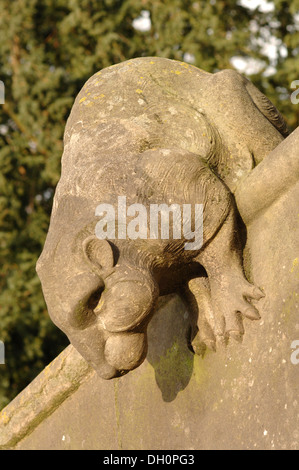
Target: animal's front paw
{"points": [[232, 298]]}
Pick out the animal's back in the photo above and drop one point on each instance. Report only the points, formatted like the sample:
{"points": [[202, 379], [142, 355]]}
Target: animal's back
{"points": [[123, 111]]}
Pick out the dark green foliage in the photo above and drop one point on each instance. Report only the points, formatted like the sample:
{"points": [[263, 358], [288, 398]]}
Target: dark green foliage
{"points": [[48, 49]]}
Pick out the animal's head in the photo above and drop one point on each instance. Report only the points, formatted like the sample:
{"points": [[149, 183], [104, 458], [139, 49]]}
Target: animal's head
{"points": [[103, 307]]}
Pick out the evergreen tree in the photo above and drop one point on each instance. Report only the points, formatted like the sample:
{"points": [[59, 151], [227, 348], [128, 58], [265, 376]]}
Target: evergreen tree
{"points": [[282, 25], [48, 49]]}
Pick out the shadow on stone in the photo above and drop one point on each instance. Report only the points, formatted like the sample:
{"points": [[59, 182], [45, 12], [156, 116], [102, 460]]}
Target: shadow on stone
{"points": [[168, 351]]}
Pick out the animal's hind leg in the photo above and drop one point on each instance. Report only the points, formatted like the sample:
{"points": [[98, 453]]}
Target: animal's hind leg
{"points": [[198, 297]]}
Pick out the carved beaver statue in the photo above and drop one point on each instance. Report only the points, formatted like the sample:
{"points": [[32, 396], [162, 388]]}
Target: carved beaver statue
{"points": [[155, 131]]}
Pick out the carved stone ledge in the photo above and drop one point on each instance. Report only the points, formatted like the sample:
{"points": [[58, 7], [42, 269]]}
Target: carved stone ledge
{"points": [[52, 386]]}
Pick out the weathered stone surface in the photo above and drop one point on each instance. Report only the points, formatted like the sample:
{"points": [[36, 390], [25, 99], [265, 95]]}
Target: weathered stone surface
{"points": [[244, 396], [270, 180], [154, 131], [57, 381]]}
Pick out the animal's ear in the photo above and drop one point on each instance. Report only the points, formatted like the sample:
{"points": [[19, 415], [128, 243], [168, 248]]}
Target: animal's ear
{"points": [[98, 252], [267, 108]]}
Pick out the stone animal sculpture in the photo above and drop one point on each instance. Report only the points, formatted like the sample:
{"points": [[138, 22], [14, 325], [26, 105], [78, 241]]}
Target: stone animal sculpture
{"points": [[156, 131]]}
